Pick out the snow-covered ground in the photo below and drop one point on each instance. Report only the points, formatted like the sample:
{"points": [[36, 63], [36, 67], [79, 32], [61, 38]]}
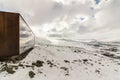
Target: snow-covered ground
{"points": [[66, 60]]}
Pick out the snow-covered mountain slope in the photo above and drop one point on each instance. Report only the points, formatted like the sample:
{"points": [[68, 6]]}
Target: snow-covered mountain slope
{"points": [[67, 60]]}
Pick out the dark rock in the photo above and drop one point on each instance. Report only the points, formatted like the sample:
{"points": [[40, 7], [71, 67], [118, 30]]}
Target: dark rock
{"points": [[113, 49], [64, 68], [66, 61], [67, 74], [108, 55], [8, 69], [16, 68], [21, 65], [85, 61], [31, 74], [77, 51], [97, 71], [97, 45], [118, 63], [95, 54], [50, 63], [38, 63]]}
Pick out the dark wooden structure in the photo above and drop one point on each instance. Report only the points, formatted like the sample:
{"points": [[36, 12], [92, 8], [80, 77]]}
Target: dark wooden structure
{"points": [[9, 34]]}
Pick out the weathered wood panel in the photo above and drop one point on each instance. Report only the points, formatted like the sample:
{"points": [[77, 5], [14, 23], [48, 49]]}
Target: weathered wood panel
{"points": [[9, 34]]}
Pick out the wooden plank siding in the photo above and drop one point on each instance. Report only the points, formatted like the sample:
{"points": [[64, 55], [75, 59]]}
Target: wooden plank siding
{"points": [[9, 34]]}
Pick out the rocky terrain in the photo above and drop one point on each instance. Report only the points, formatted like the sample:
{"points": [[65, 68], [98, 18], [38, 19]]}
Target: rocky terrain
{"points": [[68, 60]]}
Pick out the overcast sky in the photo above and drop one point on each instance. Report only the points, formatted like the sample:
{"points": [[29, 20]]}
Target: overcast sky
{"points": [[74, 19]]}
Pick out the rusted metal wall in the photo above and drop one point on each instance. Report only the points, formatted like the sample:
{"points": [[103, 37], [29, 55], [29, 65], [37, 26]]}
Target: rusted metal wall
{"points": [[9, 34]]}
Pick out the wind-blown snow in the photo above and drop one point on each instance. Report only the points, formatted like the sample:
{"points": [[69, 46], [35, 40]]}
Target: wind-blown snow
{"points": [[70, 62]]}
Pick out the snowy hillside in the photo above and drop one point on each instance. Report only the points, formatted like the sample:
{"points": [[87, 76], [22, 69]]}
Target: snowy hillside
{"points": [[68, 60]]}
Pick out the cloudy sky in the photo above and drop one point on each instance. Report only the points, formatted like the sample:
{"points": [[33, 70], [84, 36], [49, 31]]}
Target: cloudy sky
{"points": [[70, 19]]}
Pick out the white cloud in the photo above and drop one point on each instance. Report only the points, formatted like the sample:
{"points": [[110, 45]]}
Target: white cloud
{"points": [[74, 19]]}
